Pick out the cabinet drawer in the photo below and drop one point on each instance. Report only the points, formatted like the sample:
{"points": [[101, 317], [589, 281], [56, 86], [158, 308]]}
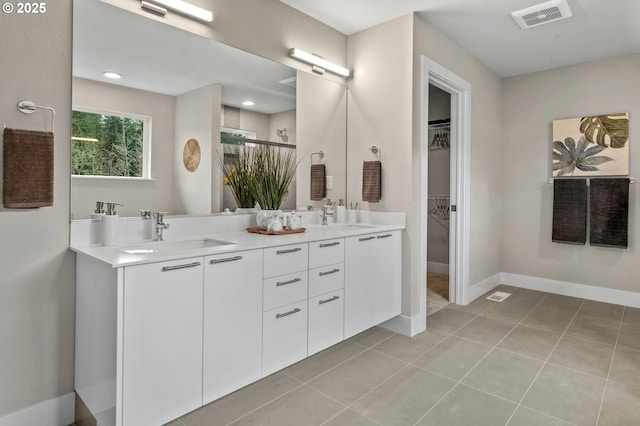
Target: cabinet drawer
{"points": [[326, 252], [285, 259], [284, 337], [284, 290], [326, 321], [326, 279]]}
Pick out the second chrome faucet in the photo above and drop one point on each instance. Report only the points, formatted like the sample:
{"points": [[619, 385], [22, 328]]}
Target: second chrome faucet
{"points": [[159, 225]]}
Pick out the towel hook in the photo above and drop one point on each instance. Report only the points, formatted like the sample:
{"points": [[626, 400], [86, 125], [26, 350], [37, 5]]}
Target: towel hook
{"points": [[319, 154], [376, 151], [29, 107]]}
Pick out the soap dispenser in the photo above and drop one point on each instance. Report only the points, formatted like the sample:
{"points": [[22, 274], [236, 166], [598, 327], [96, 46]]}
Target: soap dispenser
{"points": [[110, 223], [99, 211]]}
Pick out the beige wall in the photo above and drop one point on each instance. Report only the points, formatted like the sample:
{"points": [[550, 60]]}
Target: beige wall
{"points": [[530, 104], [198, 117], [157, 194], [321, 107], [37, 286], [485, 148]]}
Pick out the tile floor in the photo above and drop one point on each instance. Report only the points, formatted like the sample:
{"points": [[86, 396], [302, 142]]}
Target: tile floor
{"points": [[533, 359]]}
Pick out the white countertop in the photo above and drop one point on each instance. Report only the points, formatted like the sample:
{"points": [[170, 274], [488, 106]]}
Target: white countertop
{"points": [[240, 240]]}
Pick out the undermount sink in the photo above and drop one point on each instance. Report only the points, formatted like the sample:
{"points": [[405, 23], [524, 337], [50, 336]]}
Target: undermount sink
{"points": [[171, 246]]}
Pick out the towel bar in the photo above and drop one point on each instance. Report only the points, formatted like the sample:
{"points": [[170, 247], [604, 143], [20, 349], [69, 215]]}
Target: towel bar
{"points": [[631, 179], [29, 107]]}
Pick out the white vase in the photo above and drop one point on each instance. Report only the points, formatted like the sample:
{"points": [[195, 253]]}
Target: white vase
{"points": [[263, 217]]}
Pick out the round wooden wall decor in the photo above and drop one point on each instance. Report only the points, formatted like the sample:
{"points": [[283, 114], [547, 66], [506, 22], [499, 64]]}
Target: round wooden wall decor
{"points": [[191, 155]]}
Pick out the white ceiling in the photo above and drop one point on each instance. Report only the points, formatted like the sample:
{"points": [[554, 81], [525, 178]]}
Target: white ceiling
{"points": [[159, 58], [599, 29]]}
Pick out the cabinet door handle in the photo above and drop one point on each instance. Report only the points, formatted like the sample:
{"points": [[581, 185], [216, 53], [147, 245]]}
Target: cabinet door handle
{"points": [[322, 302], [384, 236], [367, 238], [333, 271], [295, 280], [293, 250], [174, 267], [335, 243], [286, 314], [226, 259]]}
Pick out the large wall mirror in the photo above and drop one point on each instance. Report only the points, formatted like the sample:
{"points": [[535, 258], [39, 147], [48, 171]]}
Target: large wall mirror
{"points": [[145, 140]]}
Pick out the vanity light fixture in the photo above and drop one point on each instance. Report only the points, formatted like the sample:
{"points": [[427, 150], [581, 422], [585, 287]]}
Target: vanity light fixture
{"points": [[112, 74], [179, 6], [248, 103], [318, 62]]}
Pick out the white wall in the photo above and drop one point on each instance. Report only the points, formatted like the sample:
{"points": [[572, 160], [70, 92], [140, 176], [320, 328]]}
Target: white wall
{"points": [[37, 290], [321, 107], [157, 194], [198, 115], [37, 287], [530, 104]]}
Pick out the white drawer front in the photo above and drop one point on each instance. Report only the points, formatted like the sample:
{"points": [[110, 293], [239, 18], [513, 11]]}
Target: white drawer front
{"points": [[326, 321], [284, 337], [326, 252], [285, 259], [284, 290], [325, 279]]}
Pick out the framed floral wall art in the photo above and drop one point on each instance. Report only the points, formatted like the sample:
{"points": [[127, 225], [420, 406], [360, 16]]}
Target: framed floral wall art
{"points": [[596, 145]]}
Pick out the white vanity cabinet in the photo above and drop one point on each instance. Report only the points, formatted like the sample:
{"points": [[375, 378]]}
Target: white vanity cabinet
{"points": [[326, 294], [373, 279], [232, 337], [284, 321], [162, 341]]}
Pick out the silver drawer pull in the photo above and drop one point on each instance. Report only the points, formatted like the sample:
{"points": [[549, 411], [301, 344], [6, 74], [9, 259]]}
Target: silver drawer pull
{"points": [[322, 302], [367, 238], [226, 259], [293, 250], [295, 280], [286, 314], [333, 271], [384, 236], [335, 243], [186, 265]]}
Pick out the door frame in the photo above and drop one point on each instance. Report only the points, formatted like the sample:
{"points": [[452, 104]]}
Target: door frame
{"points": [[460, 90]]}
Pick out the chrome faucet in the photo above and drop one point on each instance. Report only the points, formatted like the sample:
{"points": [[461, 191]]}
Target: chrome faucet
{"points": [[159, 225], [325, 212]]}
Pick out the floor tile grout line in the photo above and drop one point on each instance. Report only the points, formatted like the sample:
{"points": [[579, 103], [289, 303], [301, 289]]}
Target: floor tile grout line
{"points": [[606, 383], [266, 403], [346, 409], [459, 382], [544, 363]]}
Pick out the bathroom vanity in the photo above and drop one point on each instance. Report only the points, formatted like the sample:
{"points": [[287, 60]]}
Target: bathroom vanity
{"points": [[164, 328]]}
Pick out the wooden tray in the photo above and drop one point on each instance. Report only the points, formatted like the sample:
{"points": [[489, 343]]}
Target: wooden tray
{"points": [[285, 231]]}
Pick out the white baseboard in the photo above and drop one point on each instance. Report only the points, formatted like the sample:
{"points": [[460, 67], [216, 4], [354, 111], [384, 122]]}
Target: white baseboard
{"points": [[54, 412], [480, 288], [583, 291], [409, 326], [438, 268]]}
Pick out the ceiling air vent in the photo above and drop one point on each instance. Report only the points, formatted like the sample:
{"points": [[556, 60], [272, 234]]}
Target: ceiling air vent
{"points": [[543, 13]]}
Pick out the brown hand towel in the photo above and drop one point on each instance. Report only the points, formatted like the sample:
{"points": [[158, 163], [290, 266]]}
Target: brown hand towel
{"points": [[569, 211], [372, 181], [27, 169], [609, 209], [318, 182]]}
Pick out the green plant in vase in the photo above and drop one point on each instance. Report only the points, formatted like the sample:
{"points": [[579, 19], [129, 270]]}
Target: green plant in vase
{"points": [[272, 169], [238, 173]]}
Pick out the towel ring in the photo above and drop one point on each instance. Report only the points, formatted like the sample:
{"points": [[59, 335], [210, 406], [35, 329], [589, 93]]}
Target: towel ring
{"points": [[29, 107], [319, 154]]}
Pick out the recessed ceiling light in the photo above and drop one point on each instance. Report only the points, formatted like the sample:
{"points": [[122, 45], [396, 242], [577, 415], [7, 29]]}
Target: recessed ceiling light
{"points": [[248, 103], [112, 74]]}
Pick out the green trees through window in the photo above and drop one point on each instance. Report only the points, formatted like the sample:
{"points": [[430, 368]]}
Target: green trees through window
{"points": [[107, 145]]}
